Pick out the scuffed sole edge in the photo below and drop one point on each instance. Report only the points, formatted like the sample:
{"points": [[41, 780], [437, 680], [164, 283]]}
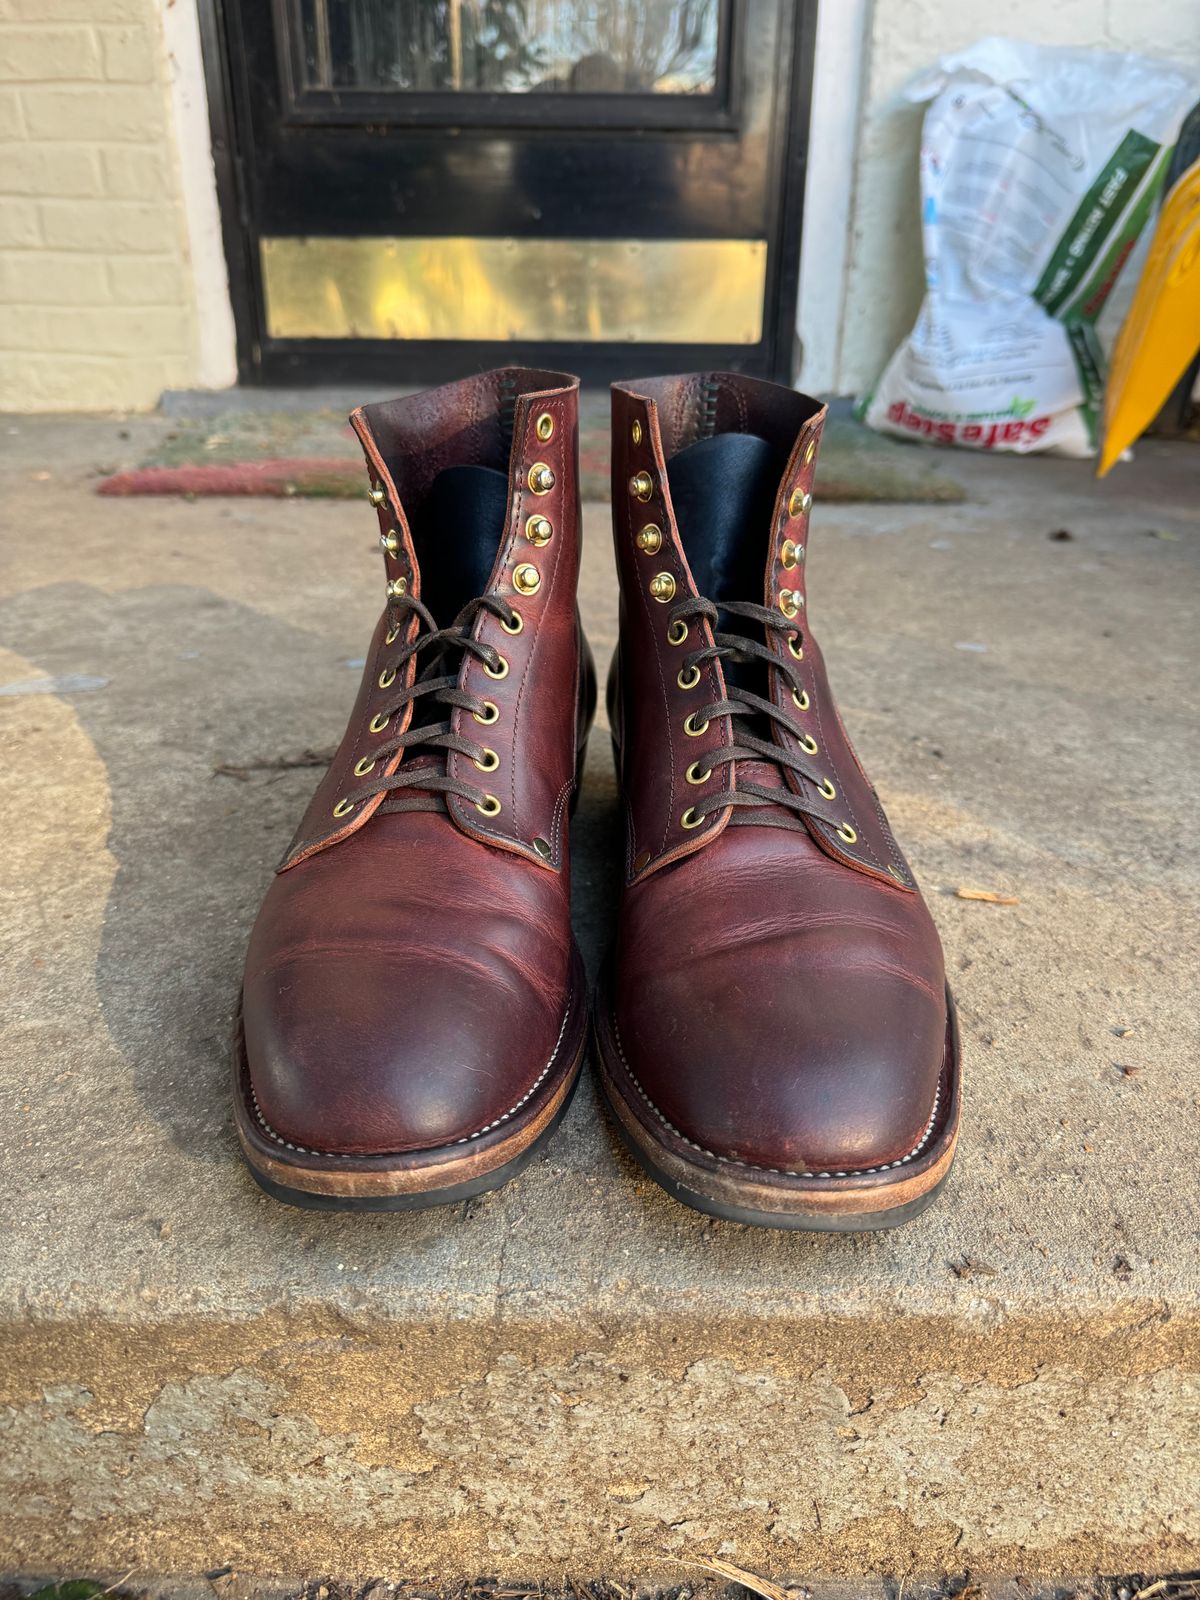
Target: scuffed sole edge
{"points": [[837, 1206], [412, 1180], [449, 1195]]}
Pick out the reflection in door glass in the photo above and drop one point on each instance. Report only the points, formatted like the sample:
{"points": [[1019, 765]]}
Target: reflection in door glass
{"points": [[510, 46]]}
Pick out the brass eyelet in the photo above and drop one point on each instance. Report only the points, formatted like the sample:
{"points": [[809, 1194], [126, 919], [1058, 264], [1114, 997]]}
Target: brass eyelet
{"points": [[492, 713], [490, 760], [696, 774], [501, 670], [376, 495], [526, 578], [392, 634], [379, 722], [387, 677], [689, 819], [662, 587], [649, 539], [810, 452], [519, 622], [641, 486], [396, 587], [362, 767], [847, 834], [826, 789], [688, 677], [795, 647], [343, 808], [544, 427], [539, 530], [635, 433], [678, 631], [800, 699], [489, 806], [692, 728], [541, 478], [808, 744]]}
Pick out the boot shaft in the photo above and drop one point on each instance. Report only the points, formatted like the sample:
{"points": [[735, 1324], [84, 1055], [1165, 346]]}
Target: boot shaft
{"points": [[741, 527], [476, 488]]}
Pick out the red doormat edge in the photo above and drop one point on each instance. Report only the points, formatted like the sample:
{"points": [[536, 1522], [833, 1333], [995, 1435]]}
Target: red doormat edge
{"points": [[283, 476]]}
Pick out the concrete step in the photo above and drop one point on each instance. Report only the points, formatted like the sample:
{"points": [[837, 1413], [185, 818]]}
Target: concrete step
{"points": [[576, 1374]]}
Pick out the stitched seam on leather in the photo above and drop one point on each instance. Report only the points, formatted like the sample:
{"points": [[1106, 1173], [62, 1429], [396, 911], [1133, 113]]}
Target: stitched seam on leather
{"points": [[509, 559], [816, 699], [886, 827], [775, 590], [344, 1155], [783, 1172], [555, 407], [512, 547], [556, 820], [662, 682], [739, 400], [710, 394], [299, 851]]}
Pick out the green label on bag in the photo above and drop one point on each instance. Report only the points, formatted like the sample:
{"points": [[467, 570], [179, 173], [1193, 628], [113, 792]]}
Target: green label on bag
{"points": [[1095, 217], [1090, 365], [1087, 304]]}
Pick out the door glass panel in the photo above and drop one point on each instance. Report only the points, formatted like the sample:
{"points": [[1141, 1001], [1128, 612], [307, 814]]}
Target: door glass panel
{"points": [[509, 46]]}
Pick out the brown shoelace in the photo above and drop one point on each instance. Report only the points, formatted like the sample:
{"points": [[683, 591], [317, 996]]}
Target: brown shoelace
{"points": [[812, 800], [435, 645]]}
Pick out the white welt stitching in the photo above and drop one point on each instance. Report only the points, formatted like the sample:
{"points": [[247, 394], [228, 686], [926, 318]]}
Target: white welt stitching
{"points": [[466, 1139], [783, 1172]]}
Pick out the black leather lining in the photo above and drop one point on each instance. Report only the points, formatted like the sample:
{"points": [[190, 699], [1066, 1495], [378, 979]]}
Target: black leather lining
{"points": [[723, 491], [456, 533]]}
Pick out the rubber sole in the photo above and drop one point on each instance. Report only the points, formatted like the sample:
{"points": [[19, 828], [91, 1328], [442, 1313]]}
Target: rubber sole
{"points": [[411, 1180], [851, 1203]]}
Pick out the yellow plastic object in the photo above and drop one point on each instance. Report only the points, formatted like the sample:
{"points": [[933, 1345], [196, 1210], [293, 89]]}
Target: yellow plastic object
{"points": [[1161, 333]]}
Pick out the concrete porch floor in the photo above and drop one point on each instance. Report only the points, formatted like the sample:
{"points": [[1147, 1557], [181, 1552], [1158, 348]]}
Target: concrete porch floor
{"points": [[577, 1374]]}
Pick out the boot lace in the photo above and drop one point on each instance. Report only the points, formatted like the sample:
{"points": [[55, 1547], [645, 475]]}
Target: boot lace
{"points": [[436, 684], [818, 793]]}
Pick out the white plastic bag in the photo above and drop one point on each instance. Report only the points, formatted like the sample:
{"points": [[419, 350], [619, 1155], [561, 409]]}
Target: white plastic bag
{"points": [[1040, 168]]}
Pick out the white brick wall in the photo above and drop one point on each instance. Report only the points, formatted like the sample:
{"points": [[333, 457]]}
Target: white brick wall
{"points": [[98, 306], [96, 296]]}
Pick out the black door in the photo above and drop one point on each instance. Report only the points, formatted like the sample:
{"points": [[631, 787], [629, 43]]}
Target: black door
{"points": [[412, 188]]}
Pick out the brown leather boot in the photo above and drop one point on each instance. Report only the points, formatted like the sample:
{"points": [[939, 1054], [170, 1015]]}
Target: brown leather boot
{"points": [[413, 1008], [774, 1031]]}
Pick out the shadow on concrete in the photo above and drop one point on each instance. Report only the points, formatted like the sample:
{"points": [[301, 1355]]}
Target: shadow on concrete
{"points": [[213, 729]]}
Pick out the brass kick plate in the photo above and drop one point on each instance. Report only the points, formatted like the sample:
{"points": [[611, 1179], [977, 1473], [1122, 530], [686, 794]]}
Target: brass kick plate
{"points": [[646, 291]]}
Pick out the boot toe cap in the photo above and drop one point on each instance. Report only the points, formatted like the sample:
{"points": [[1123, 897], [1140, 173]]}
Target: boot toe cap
{"points": [[361, 1058], [816, 1073]]}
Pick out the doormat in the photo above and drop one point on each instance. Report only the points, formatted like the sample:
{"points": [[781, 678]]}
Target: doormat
{"points": [[315, 455]]}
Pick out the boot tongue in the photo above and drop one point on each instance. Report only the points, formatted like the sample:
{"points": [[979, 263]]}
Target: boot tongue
{"points": [[723, 491], [456, 533]]}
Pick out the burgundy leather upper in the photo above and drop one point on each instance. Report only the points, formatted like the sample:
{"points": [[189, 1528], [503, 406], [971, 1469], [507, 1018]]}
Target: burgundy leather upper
{"points": [[410, 971], [778, 993]]}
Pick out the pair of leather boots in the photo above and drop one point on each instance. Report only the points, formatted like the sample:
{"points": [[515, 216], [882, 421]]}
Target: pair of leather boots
{"points": [[773, 1031]]}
